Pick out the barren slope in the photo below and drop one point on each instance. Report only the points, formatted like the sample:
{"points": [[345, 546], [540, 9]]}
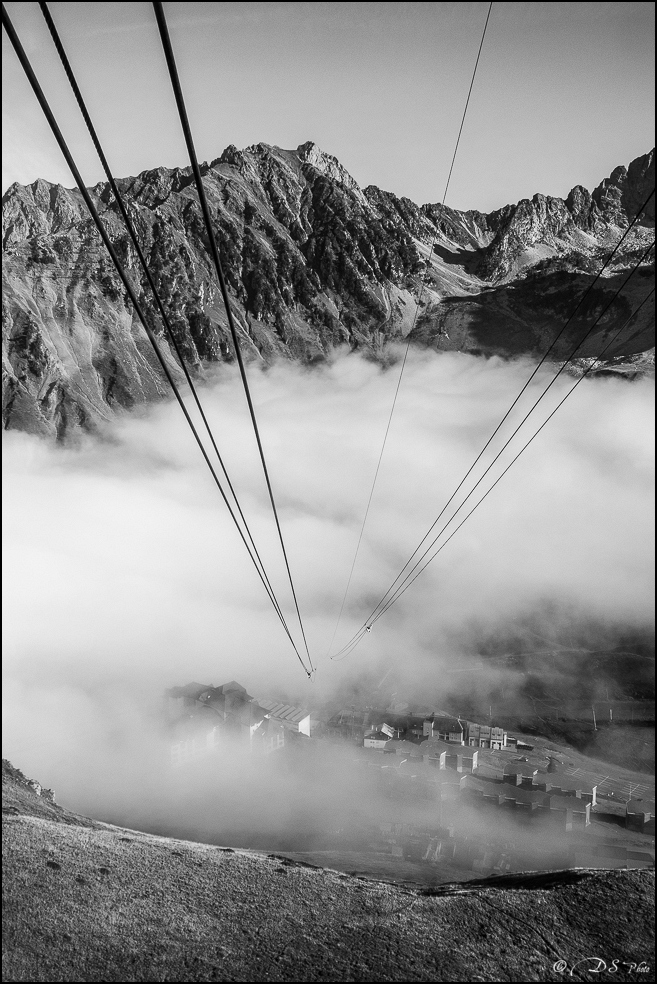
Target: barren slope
{"points": [[84, 901]]}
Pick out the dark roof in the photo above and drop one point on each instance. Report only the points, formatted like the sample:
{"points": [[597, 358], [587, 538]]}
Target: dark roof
{"points": [[473, 782], [520, 770], [525, 795], [448, 723], [488, 774], [568, 803], [558, 779], [227, 688], [228, 691], [402, 746], [640, 806], [213, 694], [286, 712], [436, 746], [192, 690]]}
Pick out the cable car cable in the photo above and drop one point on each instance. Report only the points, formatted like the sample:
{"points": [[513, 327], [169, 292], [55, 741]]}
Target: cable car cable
{"points": [[408, 343], [585, 373], [182, 112], [27, 68], [383, 605], [519, 395], [356, 639], [533, 407], [142, 259]]}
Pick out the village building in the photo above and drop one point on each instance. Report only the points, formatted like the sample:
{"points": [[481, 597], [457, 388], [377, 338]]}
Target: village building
{"points": [[490, 771], [403, 747], [485, 794], [376, 739], [447, 728], [566, 811], [464, 761], [444, 755], [460, 732], [449, 785], [350, 722], [183, 699], [205, 717], [520, 774], [640, 815], [576, 811], [486, 736], [240, 713], [559, 784], [193, 741], [269, 736], [290, 717], [524, 801], [435, 752], [640, 859]]}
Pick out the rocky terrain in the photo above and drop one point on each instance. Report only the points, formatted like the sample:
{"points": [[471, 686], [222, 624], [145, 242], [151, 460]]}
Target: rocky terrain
{"points": [[84, 900], [312, 262]]}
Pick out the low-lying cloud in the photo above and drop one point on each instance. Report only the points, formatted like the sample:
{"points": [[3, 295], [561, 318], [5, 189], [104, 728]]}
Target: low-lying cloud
{"points": [[124, 574]]}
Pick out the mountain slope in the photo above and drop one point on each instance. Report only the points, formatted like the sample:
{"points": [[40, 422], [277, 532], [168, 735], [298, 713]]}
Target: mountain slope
{"points": [[311, 260], [88, 901]]}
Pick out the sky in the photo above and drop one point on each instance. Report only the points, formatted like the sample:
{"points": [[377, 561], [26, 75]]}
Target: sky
{"points": [[564, 91]]}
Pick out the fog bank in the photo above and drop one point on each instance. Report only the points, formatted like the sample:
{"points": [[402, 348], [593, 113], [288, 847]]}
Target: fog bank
{"points": [[124, 575]]}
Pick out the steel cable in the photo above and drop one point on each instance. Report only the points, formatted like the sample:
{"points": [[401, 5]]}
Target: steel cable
{"points": [[27, 68], [585, 373], [392, 594], [182, 112], [410, 333], [142, 259]]}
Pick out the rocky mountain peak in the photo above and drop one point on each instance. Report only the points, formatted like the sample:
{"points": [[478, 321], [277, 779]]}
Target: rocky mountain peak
{"points": [[310, 153], [311, 261], [622, 194]]}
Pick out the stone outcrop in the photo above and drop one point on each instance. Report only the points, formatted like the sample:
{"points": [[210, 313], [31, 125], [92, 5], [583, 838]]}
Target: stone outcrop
{"points": [[312, 261]]}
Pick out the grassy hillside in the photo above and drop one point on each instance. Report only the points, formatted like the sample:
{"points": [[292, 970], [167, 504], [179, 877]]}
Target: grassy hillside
{"points": [[84, 901]]}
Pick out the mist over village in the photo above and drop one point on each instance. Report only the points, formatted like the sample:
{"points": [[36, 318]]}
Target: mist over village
{"points": [[328, 541]]}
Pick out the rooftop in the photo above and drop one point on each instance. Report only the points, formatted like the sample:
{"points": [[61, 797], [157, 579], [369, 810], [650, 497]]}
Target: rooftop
{"points": [[284, 712]]}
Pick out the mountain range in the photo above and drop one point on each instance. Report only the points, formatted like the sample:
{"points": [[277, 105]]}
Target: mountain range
{"points": [[312, 262]]}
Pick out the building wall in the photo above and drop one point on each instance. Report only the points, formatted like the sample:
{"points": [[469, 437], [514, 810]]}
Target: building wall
{"points": [[272, 743], [192, 749]]}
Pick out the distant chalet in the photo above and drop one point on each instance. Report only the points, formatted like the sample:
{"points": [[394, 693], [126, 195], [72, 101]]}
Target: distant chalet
{"points": [[378, 727], [203, 718]]}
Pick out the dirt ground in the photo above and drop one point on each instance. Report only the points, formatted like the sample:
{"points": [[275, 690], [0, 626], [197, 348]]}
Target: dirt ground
{"points": [[94, 902]]}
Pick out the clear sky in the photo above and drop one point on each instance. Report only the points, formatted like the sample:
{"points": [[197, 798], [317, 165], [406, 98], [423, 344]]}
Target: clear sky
{"points": [[564, 92]]}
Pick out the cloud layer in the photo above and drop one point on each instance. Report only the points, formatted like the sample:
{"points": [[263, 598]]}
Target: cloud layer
{"points": [[123, 574]]}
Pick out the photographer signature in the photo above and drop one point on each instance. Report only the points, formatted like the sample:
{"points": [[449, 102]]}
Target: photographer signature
{"points": [[596, 965]]}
